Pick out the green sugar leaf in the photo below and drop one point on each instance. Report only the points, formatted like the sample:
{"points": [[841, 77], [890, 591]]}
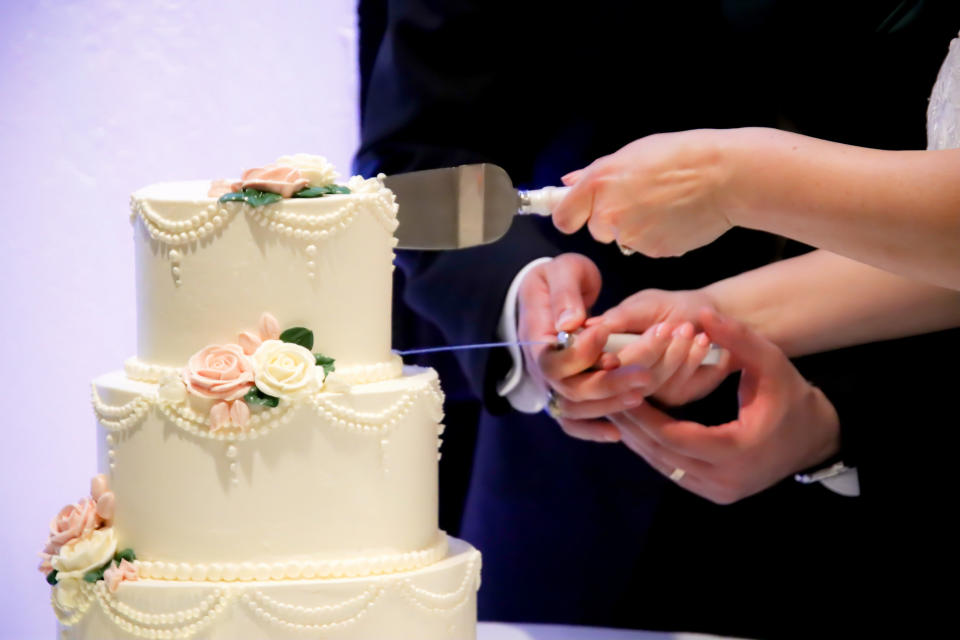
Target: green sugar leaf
{"points": [[326, 362], [234, 196], [311, 192], [126, 554], [298, 335], [52, 578], [252, 197], [257, 397], [96, 574], [318, 192]]}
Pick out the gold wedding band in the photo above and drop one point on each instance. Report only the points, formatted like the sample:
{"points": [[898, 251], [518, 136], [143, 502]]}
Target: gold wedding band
{"points": [[677, 474]]}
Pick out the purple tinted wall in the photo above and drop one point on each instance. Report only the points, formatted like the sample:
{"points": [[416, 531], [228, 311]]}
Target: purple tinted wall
{"points": [[97, 99]]}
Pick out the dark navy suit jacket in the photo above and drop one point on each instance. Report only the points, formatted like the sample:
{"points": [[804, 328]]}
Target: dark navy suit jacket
{"points": [[586, 533]]}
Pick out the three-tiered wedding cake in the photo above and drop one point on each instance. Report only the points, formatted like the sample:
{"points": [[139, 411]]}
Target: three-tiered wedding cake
{"points": [[269, 467]]}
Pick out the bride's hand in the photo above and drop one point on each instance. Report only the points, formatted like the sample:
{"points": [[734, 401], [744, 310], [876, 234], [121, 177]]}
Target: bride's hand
{"points": [[661, 195], [670, 350], [676, 373]]}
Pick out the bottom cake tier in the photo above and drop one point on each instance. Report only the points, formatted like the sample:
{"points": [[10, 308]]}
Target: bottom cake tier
{"points": [[437, 602]]}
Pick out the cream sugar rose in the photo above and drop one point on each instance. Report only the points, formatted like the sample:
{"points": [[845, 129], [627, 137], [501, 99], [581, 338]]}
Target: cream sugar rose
{"points": [[276, 479], [258, 370]]}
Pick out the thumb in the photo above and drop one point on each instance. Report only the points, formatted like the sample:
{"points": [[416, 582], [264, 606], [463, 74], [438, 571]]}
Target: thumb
{"points": [[574, 284], [632, 316], [574, 210], [749, 350]]}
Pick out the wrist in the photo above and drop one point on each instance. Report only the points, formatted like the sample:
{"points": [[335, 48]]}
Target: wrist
{"points": [[824, 415], [746, 152]]}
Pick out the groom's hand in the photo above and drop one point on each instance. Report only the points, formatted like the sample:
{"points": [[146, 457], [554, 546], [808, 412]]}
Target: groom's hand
{"points": [[556, 296], [784, 425]]}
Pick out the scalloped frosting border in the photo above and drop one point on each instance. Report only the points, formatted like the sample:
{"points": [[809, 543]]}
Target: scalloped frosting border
{"points": [[187, 622], [293, 570], [141, 371]]}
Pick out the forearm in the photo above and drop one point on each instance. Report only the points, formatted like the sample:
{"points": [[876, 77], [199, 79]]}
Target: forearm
{"points": [[821, 301], [897, 210]]}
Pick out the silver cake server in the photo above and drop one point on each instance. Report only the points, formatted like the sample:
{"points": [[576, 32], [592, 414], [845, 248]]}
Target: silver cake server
{"points": [[463, 206]]}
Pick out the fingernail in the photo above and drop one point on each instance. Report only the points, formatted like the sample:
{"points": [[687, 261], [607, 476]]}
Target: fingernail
{"points": [[633, 400], [683, 331], [612, 436], [609, 361], [703, 339], [660, 330], [566, 317]]}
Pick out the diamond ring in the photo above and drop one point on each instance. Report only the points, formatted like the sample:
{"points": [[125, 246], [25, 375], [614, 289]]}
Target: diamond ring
{"points": [[553, 405], [625, 250]]}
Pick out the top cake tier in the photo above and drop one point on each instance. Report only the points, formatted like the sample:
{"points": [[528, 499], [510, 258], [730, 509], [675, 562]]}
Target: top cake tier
{"points": [[206, 267]]}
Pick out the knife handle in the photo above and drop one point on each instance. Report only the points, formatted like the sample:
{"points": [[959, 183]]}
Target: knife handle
{"points": [[618, 341], [543, 201]]}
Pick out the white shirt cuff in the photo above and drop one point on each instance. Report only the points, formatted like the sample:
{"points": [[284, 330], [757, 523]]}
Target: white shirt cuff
{"points": [[524, 392]]}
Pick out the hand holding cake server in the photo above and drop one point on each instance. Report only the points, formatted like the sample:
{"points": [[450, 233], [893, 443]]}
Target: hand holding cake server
{"points": [[886, 223]]}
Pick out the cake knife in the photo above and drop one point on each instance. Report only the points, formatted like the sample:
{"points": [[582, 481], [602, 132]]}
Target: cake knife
{"points": [[463, 206], [614, 344]]}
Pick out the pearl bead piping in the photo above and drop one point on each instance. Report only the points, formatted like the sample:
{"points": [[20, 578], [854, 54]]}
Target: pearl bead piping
{"points": [[265, 615], [119, 418], [116, 418], [187, 622], [177, 233], [72, 615], [262, 571], [281, 608], [136, 623], [433, 601]]}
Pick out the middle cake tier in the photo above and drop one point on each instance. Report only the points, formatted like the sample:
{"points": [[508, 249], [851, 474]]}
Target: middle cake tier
{"points": [[336, 484]]}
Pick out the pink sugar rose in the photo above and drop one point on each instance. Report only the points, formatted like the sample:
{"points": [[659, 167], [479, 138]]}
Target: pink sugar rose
{"points": [[221, 372], [220, 187], [273, 178], [73, 521], [115, 574], [249, 342], [269, 330], [269, 327], [223, 414], [45, 566]]}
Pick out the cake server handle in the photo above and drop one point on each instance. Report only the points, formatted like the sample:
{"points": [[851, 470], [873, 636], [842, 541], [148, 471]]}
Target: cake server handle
{"points": [[541, 202], [618, 341]]}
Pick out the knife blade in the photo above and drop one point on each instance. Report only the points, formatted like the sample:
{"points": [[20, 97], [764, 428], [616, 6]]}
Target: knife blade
{"points": [[615, 342], [463, 206]]}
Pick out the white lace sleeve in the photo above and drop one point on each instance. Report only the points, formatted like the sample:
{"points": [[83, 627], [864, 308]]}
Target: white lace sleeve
{"points": [[943, 112]]}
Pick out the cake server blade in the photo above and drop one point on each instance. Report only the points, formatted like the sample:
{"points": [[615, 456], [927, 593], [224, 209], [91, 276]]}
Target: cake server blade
{"points": [[463, 206]]}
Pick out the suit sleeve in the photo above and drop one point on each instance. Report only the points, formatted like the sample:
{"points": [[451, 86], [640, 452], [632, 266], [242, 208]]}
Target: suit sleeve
{"points": [[435, 94]]}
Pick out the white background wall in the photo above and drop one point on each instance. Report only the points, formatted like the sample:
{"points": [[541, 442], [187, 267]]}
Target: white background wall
{"points": [[97, 99]]}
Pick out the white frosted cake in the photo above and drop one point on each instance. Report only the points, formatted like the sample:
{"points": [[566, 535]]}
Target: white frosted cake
{"points": [[268, 466]]}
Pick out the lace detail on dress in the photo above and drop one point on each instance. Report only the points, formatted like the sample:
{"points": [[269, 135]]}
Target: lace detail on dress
{"points": [[943, 112]]}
